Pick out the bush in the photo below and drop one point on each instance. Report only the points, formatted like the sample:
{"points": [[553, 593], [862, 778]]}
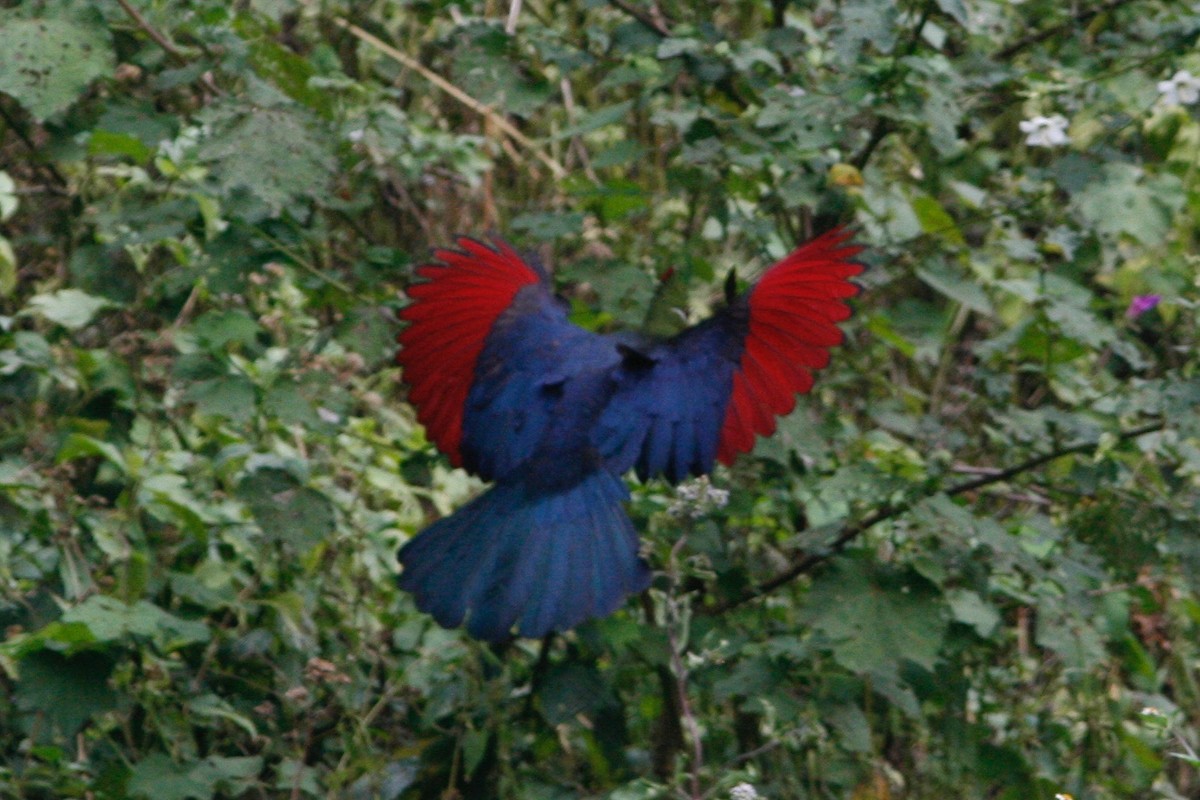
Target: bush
{"points": [[965, 566]]}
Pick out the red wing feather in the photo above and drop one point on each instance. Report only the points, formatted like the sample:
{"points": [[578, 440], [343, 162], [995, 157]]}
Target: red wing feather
{"points": [[792, 311], [449, 318]]}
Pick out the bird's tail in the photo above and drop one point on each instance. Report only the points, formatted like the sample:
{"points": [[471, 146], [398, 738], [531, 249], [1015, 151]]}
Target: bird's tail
{"points": [[530, 557]]}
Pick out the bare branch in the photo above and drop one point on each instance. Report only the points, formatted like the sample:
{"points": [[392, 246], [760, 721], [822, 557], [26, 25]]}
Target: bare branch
{"points": [[652, 19], [853, 530], [458, 94], [165, 43], [1075, 22]]}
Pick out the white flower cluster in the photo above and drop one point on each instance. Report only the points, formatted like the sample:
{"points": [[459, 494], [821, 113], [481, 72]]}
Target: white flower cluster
{"points": [[1181, 89], [744, 791], [696, 498], [1045, 131]]}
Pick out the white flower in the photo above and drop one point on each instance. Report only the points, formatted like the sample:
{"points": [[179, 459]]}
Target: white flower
{"points": [[796, 91], [696, 498], [1181, 89], [744, 791], [1045, 131]]}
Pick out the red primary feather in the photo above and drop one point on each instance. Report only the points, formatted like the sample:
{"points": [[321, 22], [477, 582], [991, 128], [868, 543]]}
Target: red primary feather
{"points": [[793, 311], [449, 318]]}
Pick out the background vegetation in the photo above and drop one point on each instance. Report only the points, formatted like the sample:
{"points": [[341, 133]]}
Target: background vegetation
{"points": [[965, 567]]}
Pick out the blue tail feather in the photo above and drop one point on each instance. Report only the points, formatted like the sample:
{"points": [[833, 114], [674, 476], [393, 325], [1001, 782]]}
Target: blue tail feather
{"points": [[536, 558]]}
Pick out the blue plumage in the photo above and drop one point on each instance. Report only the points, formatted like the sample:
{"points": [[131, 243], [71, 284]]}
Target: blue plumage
{"points": [[554, 414], [537, 554]]}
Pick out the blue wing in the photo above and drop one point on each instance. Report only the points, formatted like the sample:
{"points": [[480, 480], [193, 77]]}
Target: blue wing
{"points": [[520, 384], [703, 396], [666, 413]]}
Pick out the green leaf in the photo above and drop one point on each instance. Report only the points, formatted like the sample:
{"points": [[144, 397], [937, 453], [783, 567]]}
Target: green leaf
{"points": [[287, 511], [876, 616], [111, 620], [276, 153], [48, 63], [8, 268], [158, 777], [956, 9], [1075, 640], [601, 117], [64, 692], [619, 154], [936, 220], [571, 689], [216, 330], [957, 286], [70, 308], [79, 445], [969, 608], [232, 397], [9, 199], [1123, 200], [474, 748], [548, 226]]}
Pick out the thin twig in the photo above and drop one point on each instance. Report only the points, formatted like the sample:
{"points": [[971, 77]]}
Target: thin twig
{"points": [[165, 43], [852, 531], [568, 96], [1075, 22], [514, 13], [883, 126], [33, 148], [651, 19], [458, 94], [673, 617]]}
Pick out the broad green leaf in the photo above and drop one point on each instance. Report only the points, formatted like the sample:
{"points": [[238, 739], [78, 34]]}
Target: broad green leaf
{"points": [[956, 9], [79, 445], [276, 153], [286, 510], [548, 226], [960, 287], [1123, 200], [232, 397], [59, 694], [70, 308], [969, 608], [48, 63], [158, 777], [935, 220], [111, 620], [601, 117], [215, 330], [876, 616]]}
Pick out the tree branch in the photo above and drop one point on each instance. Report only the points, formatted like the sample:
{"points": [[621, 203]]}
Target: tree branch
{"points": [[1075, 21], [558, 170], [652, 19], [166, 44], [806, 562]]}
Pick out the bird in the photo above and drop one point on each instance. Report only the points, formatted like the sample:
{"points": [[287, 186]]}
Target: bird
{"points": [[554, 416]]}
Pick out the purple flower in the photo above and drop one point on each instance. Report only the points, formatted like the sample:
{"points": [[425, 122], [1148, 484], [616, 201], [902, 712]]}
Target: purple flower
{"points": [[1140, 304]]}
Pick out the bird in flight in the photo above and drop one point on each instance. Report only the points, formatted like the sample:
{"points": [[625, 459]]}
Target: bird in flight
{"points": [[554, 415]]}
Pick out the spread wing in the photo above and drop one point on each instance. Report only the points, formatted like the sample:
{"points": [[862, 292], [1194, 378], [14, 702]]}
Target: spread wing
{"points": [[449, 319], [486, 354], [704, 394], [488, 351]]}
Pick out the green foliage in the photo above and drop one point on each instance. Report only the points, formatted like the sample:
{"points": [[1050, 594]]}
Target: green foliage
{"points": [[966, 566]]}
